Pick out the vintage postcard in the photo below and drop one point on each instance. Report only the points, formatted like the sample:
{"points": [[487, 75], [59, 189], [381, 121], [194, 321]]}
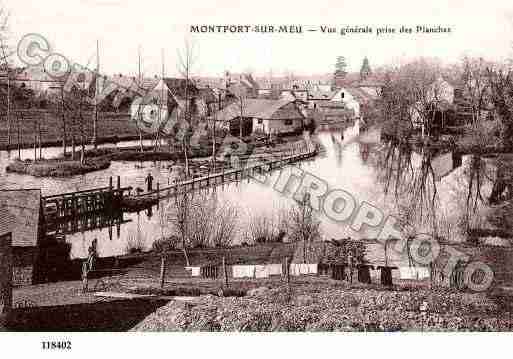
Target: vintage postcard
{"points": [[228, 166]]}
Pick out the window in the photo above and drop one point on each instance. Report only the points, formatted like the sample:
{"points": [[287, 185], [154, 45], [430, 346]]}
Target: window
{"points": [[260, 121], [288, 122]]}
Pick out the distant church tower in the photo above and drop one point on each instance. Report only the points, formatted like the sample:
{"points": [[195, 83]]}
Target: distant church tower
{"points": [[365, 71]]}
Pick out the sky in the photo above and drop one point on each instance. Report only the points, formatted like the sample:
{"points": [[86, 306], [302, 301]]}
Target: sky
{"points": [[72, 27]]}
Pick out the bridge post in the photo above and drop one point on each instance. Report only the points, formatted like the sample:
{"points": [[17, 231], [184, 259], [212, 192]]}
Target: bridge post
{"points": [[158, 194], [74, 205]]}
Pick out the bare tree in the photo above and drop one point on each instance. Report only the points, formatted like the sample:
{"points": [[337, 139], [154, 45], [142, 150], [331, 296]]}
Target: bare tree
{"points": [[242, 103], [224, 226], [6, 66], [303, 224], [267, 227], [476, 87], [408, 96], [187, 58], [179, 215]]}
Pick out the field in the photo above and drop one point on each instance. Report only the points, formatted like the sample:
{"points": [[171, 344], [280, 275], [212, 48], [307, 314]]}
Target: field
{"points": [[112, 127]]}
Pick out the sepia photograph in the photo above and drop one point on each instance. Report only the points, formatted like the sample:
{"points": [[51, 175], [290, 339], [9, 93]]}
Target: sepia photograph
{"points": [[231, 166]]}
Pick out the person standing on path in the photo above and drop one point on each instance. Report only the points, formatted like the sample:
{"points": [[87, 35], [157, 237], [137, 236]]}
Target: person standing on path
{"points": [[92, 255], [149, 182]]}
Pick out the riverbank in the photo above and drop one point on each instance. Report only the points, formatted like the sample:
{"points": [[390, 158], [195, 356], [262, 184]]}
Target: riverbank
{"points": [[100, 158], [58, 167]]}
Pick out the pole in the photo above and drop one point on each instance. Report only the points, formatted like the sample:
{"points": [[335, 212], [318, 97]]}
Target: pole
{"points": [[95, 120], [162, 270], [39, 139], [287, 272], [158, 193], [8, 107], [63, 123], [84, 277], [8, 93], [35, 140], [139, 64], [225, 272], [19, 135]]}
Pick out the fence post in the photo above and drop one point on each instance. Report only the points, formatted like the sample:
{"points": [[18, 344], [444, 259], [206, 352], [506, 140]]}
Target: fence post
{"points": [[84, 277], [287, 272], [162, 270], [225, 272], [158, 193]]}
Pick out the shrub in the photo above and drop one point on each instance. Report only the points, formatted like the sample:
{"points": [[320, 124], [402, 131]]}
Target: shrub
{"points": [[134, 244], [167, 244]]}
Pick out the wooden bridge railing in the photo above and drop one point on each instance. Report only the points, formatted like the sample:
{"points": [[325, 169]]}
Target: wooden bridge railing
{"points": [[227, 176]]}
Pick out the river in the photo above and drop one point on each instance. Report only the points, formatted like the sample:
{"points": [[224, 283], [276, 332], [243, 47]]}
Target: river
{"points": [[351, 163]]}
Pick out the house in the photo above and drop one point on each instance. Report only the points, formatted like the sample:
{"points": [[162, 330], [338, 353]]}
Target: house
{"points": [[37, 79], [353, 98], [152, 112], [295, 94], [241, 85], [166, 103], [438, 106], [262, 116], [371, 88], [208, 97], [318, 98], [21, 215]]}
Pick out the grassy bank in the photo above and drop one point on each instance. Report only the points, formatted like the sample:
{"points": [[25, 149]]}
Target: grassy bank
{"points": [[57, 167]]}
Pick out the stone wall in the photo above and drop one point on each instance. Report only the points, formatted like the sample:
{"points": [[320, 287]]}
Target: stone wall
{"points": [[23, 263]]}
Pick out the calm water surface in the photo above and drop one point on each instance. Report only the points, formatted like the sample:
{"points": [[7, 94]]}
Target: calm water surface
{"points": [[347, 164]]}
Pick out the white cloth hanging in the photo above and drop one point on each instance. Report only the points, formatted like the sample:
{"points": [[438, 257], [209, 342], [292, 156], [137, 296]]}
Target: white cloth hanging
{"points": [[274, 269], [414, 272], [243, 271], [312, 268], [195, 271], [303, 268], [261, 271]]}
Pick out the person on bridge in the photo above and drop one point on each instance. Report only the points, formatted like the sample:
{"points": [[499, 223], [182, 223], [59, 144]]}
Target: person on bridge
{"points": [[149, 181], [92, 254]]}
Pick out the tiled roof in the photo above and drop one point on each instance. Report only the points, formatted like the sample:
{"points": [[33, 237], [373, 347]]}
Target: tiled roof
{"points": [[20, 215], [320, 95], [207, 95], [261, 108], [359, 95], [178, 87]]}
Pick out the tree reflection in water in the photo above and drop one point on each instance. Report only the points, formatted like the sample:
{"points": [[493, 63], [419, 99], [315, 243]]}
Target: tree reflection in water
{"points": [[409, 183]]}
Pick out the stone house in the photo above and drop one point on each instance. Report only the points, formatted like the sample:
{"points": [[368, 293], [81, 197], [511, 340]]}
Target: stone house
{"points": [[262, 116], [22, 217]]}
